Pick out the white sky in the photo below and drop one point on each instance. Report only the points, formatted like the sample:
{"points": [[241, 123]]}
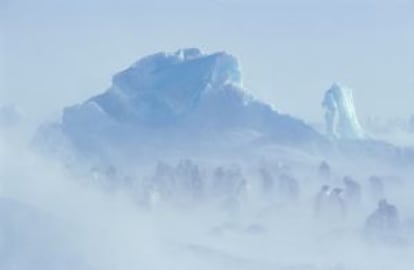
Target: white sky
{"points": [[55, 52]]}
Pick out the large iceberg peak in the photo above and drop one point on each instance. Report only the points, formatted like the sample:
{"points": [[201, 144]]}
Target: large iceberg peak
{"points": [[340, 113], [164, 86], [191, 66], [173, 99]]}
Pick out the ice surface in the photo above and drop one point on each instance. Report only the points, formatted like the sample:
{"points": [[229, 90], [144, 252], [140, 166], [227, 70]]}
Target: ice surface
{"points": [[162, 87], [340, 114]]}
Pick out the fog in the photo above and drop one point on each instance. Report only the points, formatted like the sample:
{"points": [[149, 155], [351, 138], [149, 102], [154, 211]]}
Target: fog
{"points": [[179, 164], [54, 217]]}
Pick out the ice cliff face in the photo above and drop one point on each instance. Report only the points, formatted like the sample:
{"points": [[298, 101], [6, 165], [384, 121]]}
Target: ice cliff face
{"points": [[183, 96], [340, 114], [163, 87]]}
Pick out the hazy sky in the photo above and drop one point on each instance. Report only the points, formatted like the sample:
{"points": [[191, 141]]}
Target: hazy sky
{"points": [[55, 52]]}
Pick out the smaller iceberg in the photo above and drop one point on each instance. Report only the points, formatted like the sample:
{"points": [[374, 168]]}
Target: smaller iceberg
{"points": [[340, 114]]}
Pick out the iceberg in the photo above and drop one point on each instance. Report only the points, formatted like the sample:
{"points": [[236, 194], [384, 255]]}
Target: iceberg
{"points": [[340, 114], [178, 98]]}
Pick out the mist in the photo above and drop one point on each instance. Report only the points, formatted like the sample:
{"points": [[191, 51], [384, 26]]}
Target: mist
{"points": [[123, 147], [54, 218]]}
